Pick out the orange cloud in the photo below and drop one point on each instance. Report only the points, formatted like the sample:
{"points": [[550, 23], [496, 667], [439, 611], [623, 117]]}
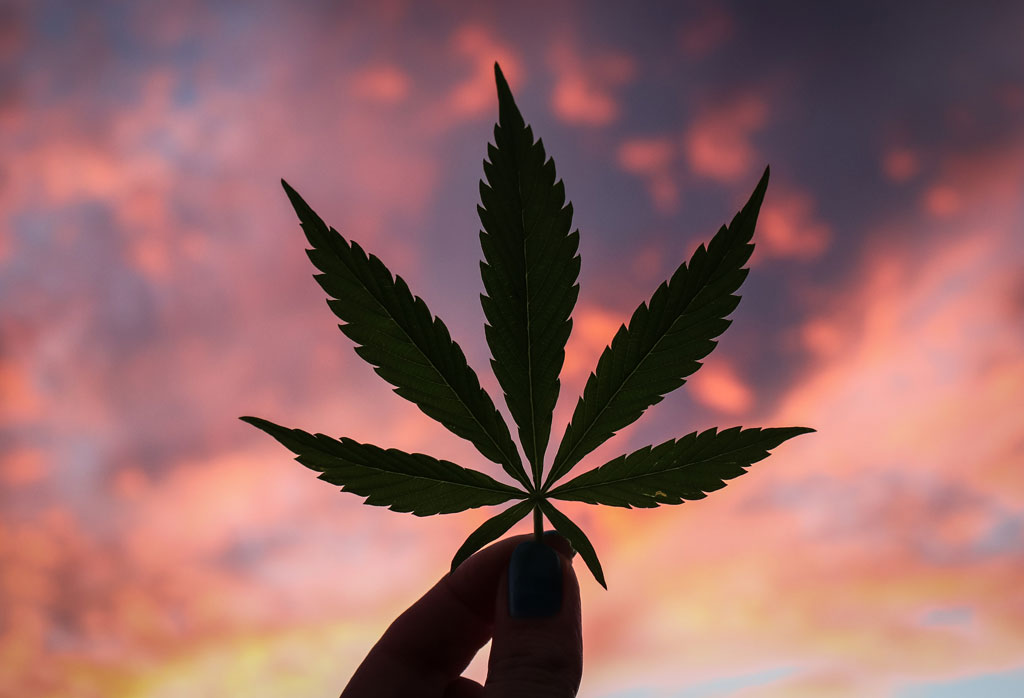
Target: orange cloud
{"points": [[717, 142]]}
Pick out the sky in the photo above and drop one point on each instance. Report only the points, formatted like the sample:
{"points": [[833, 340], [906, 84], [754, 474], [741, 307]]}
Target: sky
{"points": [[154, 287]]}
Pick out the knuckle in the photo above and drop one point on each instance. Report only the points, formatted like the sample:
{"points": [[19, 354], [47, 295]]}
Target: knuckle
{"points": [[544, 674]]}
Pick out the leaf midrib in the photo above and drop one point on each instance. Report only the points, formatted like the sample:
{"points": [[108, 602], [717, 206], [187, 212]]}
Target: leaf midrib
{"points": [[566, 488], [536, 467], [426, 356], [414, 476], [625, 380]]}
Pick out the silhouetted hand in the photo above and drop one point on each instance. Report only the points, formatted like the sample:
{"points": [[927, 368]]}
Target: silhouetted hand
{"points": [[522, 594]]}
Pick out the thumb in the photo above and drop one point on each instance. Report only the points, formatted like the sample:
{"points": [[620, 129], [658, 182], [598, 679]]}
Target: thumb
{"points": [[537, 647]]}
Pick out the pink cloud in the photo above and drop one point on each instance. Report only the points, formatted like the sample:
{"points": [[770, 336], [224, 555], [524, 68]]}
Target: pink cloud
{"points": [[718, 385], [889, 510], [905, 338], [23, 466], [479, 47], [584, 87], [20, 399], [385, 84], [717, 143], [822, 336], [941, 201], [646, 155], [647, 263], [789, 227], [593, 328], [900, 164], [706, 32], [652, 159], [991, 176], [169, 574]]}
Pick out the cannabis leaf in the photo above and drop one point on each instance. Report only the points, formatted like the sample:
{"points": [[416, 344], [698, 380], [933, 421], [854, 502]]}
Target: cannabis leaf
{"points": [[411, 349], [680, 469], [664, 341], [530, 271], [401, 481]]}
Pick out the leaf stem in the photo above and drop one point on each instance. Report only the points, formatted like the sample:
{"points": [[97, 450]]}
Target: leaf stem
{"points": [[538, 524]]}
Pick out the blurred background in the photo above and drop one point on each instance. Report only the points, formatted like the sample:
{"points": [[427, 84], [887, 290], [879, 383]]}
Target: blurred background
{"points": [[154, 288]]}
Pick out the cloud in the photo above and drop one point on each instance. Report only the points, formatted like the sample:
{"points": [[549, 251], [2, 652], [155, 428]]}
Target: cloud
{"points": [[646, 155], [583, 93], [900, 164], [718, 385], [480, 48], [593, 328], [907, 498], [717, 142], [154, 289], [705, 32], [23, 466], [652, 159], [788, 226], [990, 176], [21, 400], [385, 84], [941, 201]]}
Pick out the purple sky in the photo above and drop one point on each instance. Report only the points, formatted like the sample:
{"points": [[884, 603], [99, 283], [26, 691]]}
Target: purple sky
{"points": [[153, 287]]}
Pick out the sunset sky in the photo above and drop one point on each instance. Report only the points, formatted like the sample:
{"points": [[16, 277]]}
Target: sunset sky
{"points": [[154, 287]]}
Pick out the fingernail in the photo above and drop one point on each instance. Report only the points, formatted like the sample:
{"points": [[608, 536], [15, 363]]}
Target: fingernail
{"points": [[534, 581], [555, 535]]}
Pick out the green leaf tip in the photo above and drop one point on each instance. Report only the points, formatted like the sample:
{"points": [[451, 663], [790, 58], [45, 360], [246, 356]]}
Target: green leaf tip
{"points": [[677, 470], [297, 202], [407, 345], [664, 341], [404, 482], [504, 91], [508, 113], [579, 541], [530, 271]]}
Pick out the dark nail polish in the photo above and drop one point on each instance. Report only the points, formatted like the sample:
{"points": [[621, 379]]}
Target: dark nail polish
{"points": [[555, 535], [534, 581]]}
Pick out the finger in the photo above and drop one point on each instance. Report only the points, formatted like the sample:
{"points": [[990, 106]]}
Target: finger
{"points": [[464, 688], [538, 638], [430, 645]]}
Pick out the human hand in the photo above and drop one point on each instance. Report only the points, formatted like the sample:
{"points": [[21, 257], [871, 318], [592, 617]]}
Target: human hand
{"points": [[537, 648]]}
